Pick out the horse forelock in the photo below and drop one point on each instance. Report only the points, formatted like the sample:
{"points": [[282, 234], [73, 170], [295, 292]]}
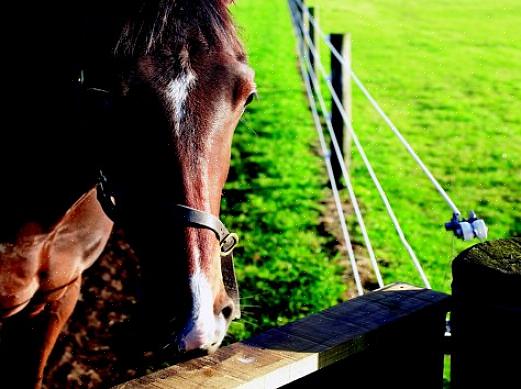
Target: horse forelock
{"points": [[160, 25]]}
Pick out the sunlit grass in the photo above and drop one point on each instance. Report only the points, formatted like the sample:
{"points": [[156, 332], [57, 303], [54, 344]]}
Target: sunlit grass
{"points": [[449, 75], [276, 184]]}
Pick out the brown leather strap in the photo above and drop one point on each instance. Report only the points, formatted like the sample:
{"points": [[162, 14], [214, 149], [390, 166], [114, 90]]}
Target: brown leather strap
{"points": [[196, 218], [227, 240], [230, 282]]}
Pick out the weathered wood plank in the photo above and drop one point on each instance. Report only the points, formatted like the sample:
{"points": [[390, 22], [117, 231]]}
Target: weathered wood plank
{"points": [[283, 355]]}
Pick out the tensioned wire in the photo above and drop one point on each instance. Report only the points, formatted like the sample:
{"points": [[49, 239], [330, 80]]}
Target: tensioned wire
{"points": [[381, 112], [369, 167], [345, 174], [347, 122], [327, 158]]}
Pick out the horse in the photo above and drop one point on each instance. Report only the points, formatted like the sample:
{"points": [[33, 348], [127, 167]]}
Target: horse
{"points": [[119, 112]]}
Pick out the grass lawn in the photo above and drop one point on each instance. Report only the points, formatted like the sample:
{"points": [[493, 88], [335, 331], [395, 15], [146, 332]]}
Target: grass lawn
{"points": [[276, 186], [449, 75]]}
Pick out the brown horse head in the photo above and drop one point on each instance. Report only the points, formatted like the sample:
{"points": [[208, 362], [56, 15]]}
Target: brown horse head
{"points": [[183, 86], [150, 91]]}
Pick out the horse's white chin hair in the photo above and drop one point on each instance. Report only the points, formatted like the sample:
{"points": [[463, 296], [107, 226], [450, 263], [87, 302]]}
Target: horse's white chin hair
{"points": [[204, 330]]}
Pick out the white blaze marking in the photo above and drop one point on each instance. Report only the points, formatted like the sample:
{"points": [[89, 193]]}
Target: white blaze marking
{"points": [[177, 93], [204, 329]]}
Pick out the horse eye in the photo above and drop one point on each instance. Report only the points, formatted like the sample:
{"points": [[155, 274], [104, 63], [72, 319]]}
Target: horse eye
{"points": [[250, 98]]}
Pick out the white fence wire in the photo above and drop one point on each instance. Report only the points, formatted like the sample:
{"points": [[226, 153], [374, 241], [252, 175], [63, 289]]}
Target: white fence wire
{"points": [[311, 79]]}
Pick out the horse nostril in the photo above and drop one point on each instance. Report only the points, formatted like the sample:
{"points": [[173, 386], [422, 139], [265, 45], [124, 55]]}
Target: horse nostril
{"points": [[227, 311]]}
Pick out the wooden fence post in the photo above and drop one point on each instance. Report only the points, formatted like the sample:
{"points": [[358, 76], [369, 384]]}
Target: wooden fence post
{"points": [[341, 80], [486, 316]]}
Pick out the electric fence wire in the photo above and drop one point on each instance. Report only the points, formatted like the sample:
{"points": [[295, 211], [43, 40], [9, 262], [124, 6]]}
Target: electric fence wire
{"points": [[381, 112], [327, 158], [301, 32], [343, 168]]}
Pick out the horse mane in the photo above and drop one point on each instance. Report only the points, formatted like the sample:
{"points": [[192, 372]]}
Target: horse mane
{"points": [[154, 24]]}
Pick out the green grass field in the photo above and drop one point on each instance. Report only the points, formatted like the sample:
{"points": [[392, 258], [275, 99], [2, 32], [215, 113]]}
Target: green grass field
{"points": [[449, 75], [277, 184]]}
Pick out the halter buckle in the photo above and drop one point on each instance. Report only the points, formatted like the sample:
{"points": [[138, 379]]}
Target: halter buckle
{"points": [[228, 244]]}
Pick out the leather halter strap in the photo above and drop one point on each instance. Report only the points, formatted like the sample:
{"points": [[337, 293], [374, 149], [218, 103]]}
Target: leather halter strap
{"points": [[196, 218], [227, 240], [193, 218]]}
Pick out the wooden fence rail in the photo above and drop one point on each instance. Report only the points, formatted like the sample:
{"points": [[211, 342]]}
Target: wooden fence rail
{"points": [[389, 338]]}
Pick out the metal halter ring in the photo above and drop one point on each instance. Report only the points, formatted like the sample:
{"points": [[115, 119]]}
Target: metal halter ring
{"points": [[193, 217], [228, 244]]}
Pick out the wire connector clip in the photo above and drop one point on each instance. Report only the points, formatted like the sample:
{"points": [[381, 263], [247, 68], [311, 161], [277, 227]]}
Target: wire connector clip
{"points": [[467, 229]]}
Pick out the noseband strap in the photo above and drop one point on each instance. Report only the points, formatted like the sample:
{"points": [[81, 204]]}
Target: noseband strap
{"points": [[227, 240], [193, 217]]}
